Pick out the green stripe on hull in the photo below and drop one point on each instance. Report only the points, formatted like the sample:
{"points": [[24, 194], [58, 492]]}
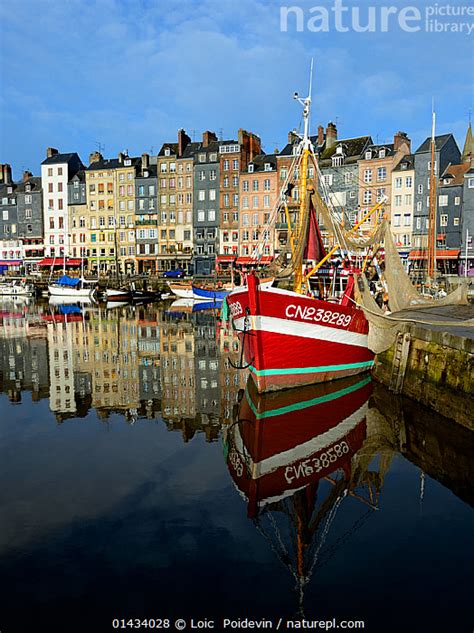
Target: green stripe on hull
{"points": [[309, 370], [298, 406]]}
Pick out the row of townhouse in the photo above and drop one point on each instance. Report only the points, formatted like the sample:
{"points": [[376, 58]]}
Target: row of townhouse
{"points": [[202, 205]]}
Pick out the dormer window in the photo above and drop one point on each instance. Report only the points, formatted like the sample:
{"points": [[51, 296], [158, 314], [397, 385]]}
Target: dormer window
{"points": [[9, 189], [267, 167], [404, 165], [295, 150], [28, 187], [167, 151], [127, 162], [339, 149], [146, 174], [447, 181], [368, 155], [382, 153], [251, 168], [337, 161]]}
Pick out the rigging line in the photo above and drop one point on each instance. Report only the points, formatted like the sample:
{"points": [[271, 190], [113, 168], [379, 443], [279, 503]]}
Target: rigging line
{"points": [[329, 521], [329, 553], [262, 242], [278, 554]]}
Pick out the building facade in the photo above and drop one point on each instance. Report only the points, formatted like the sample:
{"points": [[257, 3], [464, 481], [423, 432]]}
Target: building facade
{"points": [[146, 216], [56, 172], [259, 194], [234, 157], [402, 204], [175, 222], [206, 204], [375, 175]]}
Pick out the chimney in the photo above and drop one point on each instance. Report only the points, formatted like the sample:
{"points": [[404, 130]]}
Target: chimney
{"points": [[145, 161], [5, 174], [51, 151], [183, 140], [293, 137], [95, 157], [331, 135], [320, 136], [121, 157], [399, 139], [26, 175], [208, 137]]}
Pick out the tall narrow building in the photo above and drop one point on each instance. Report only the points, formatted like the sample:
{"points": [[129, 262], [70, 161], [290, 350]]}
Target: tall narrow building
{"points": [[57, 170]]}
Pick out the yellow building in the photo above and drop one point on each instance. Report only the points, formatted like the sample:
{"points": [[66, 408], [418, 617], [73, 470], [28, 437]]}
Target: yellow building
{"points": [[110, 213], [175, 203]]}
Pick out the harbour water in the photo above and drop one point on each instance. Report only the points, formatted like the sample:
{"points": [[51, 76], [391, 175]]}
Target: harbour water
{"points": [[143, 477]]}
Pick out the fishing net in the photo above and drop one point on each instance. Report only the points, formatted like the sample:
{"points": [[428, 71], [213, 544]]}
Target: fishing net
{"points": [[382, 332], [402, 293]]}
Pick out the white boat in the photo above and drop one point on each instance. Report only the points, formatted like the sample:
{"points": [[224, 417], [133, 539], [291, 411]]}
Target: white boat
{"points": [[16, 289], [186, 290], [181, 290], [72, 287]]}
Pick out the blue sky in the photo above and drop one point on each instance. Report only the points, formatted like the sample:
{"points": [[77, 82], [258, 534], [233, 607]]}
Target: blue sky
{"points": [[130, 73]]}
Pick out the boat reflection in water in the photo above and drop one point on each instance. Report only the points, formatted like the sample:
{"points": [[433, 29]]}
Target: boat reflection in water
{"points": [[293, 457]]}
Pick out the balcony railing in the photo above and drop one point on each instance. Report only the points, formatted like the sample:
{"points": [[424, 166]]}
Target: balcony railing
{"points": [[146, 222]]}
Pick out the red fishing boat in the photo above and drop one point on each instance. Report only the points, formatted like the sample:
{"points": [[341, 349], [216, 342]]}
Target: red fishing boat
{"points": [[301, 336]]}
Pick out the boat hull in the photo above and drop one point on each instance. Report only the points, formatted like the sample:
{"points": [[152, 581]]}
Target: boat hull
{"points": [[183, 291], [291, 340], [59, 291], [118, 295], [209, 295]]}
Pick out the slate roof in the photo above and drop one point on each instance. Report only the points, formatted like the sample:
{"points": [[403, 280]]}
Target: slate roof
{"points": [[468, 150], [34, 181], [440, 141], [352, 147], [113, 163], [4, 191], [455, 173], [408, 160], [173, 147], [151, 169], [259, 163], [62, 158]]}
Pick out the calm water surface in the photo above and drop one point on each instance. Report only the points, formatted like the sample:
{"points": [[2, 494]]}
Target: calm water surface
{"points": [[144, 478]]}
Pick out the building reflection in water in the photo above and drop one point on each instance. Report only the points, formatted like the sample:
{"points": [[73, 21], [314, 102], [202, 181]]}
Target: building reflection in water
{"points": [[175, 364], [138, 361]]}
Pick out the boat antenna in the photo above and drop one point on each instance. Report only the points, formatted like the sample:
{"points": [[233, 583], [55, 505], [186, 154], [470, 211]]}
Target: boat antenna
{"points": [[306, 103], [431, 256]]}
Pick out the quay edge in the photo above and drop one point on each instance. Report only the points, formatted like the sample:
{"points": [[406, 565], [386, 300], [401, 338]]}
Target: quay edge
{"points": [[437, 369]]}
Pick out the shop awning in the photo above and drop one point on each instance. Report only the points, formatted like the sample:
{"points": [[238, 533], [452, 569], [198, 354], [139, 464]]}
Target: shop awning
{"points": [[450, 253], [10, 262], [50, 261], [226, 258], [266, 259]]}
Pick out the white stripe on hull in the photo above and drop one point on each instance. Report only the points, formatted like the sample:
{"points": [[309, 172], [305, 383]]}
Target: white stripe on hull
{"points": [[316, 444], [314, 331]]}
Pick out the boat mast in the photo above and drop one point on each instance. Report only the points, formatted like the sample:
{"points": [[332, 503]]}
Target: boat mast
{"points": [[304, 150], [431, 255]]}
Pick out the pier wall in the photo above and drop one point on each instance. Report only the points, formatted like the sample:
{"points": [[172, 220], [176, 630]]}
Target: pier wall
{"points": [[439, 371]]}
